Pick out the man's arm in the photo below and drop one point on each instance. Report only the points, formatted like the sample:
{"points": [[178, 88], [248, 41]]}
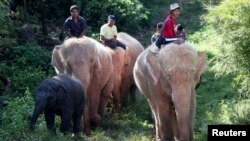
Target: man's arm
{"points": [[67, 29], [84, 28], [103, 38], [115, 32]]}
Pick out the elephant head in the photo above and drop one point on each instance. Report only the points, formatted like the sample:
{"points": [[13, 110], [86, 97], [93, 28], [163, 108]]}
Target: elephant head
{"points": [[177, 63], [46, 97], [79, 55]]}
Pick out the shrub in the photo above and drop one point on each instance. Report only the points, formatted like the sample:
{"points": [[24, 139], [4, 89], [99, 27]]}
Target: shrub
{"points": [[25, 66], [229, 23], [16, 114], [7, 34]]}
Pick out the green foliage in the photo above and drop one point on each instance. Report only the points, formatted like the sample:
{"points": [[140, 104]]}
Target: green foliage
{"points": [[209, 2], [6, 31], [234, 28], [53, 14], [17, 120], [25, 66], [130, 14]]}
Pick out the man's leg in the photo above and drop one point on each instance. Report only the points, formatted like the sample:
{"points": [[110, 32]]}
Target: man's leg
{"points": [[158, 42], [110, 44], [120, 44]]}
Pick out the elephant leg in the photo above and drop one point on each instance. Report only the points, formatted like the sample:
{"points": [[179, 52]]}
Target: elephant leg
{"points": [[105, 95], [164, 108], [156, 118], [77, 72], [94, 102], [125, 89], [86, 115], [132, 93], [117, 97], [50, 120], [77, 120], [65, 122]]}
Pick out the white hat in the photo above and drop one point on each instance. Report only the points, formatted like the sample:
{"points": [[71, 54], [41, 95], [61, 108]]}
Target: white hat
{"points": [[174, 6]]}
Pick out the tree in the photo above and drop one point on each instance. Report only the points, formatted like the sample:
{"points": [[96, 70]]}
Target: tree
{"points": [[231, 21]]}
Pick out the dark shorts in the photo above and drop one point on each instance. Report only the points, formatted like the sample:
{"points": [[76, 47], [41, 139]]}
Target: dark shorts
{"points": [[161, 41], [114, 44]]}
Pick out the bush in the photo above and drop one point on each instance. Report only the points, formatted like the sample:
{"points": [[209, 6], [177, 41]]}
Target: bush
{"points": [[231, 21], [7, 34], [16, 116], [25, 66]]}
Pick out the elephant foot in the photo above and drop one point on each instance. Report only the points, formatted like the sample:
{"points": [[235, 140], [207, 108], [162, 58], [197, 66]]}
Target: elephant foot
{"points": [[96, 120], [86, 131], [118, 109]]}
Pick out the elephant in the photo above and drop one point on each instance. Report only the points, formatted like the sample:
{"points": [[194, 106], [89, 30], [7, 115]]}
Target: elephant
{"points": [[123, 62], [89, 61], [63, 96], [167, 79]]}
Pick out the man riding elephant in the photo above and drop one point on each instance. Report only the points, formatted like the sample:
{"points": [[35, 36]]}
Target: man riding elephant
{"points": [[109, 34], [75, 25], [168, 81]]}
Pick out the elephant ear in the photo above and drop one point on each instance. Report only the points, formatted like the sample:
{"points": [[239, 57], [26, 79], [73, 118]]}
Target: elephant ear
{"points": [[200, 67], [57, 89], [61, 88], [152, 64]]}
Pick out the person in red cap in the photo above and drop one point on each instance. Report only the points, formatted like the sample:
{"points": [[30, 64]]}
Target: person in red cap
{"points": [[168, 34]]}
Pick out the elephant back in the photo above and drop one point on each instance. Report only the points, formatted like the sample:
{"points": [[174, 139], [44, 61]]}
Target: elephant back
{"points": [[133, 44], [183, 56], [134, 48], [80, 47]]}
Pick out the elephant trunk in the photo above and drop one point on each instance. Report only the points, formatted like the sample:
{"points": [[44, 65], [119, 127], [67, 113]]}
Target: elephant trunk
{"points": [[39, 108], [182, 100]]}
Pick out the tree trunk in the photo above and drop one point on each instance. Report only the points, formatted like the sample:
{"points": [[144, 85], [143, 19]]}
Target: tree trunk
{"points": [[25, 10], [43, 19]]}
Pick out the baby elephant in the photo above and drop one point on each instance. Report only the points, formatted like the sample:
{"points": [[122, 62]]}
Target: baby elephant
{"points": [[63, 96]]}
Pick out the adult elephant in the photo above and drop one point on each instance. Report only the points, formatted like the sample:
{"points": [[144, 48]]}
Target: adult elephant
{"points": [[91, 63], [124, 61], [168, 79]]}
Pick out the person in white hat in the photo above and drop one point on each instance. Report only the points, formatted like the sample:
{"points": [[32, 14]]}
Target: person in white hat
{"points": [[168, 34]]}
